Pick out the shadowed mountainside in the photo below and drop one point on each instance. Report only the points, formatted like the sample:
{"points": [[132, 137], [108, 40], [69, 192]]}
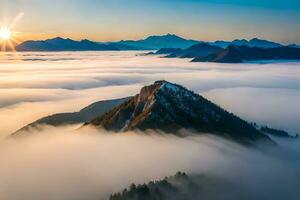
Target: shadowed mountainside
{"points": [[161, 106], [171, 107], [255, 42], [179, 186], [86, 114], [197, 50], [188, 187], [238, 54]]}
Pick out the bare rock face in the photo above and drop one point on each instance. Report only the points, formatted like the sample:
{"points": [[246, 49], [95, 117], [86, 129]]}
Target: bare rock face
{"points": [[170, 107]]}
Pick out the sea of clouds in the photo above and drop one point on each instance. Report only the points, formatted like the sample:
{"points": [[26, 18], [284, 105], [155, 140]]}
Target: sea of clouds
{"points": [[64, 164], [37, 84]]}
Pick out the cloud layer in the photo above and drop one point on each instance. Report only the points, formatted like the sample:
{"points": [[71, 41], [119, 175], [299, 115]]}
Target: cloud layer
{"points": [[61, 164], [37, 84]]}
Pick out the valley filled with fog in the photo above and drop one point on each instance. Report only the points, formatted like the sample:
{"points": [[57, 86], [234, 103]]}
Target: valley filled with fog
{"points": [[65, 163], [34, 85]]}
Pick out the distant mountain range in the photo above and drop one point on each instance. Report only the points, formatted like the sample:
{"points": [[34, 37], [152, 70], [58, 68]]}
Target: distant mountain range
{"points": [[60, 44], [174, 41], [239, 54], [255, 42], [203, 52], [149, 43]]}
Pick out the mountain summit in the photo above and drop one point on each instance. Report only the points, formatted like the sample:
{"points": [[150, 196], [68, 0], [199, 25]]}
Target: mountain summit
{"points": [[170, 107], [160, 41]]}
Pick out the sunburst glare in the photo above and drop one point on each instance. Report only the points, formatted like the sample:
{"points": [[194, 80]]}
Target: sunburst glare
{"points": [[5, 33], [8, 38]]}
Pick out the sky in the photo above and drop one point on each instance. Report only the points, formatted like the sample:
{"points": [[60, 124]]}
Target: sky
{"points": [[103, 20]]}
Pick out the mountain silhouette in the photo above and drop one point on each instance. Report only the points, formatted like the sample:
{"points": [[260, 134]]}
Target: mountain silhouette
{"points": [[255, 42], [169, 51], [238, 54], [197, 50], [155, 42], [61, 44], [158, 42]]}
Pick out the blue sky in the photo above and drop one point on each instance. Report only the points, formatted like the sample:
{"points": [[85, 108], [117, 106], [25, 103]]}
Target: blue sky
{"points": [[104, 20]]}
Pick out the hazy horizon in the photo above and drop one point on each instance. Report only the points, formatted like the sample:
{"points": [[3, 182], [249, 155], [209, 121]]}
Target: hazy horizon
{"points": [[146, 36], [206, 20]]}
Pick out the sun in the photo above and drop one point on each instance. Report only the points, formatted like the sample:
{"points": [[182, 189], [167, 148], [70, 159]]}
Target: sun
{"points": [[8, 37], [5, 34]]}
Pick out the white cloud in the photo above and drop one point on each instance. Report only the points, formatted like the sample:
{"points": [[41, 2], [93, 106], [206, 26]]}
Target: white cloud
{"points": [[61, 164], [32, 89]]}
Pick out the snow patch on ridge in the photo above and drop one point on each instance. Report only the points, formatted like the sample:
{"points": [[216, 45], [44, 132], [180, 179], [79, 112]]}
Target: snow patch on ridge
{"points": [[169, 86]]}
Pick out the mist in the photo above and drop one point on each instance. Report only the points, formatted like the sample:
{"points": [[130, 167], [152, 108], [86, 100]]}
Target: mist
{"points": [[64, 163], [70, 164], [34, 85]]}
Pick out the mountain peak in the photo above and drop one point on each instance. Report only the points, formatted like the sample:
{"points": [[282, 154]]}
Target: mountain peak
{"points": [[171, 35], [56, 39], [255, 39], [162, 82], [167, 36], [162, 86], [170, 107], [87, 41], [156, 42], [260, 40], [240, 40]]}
